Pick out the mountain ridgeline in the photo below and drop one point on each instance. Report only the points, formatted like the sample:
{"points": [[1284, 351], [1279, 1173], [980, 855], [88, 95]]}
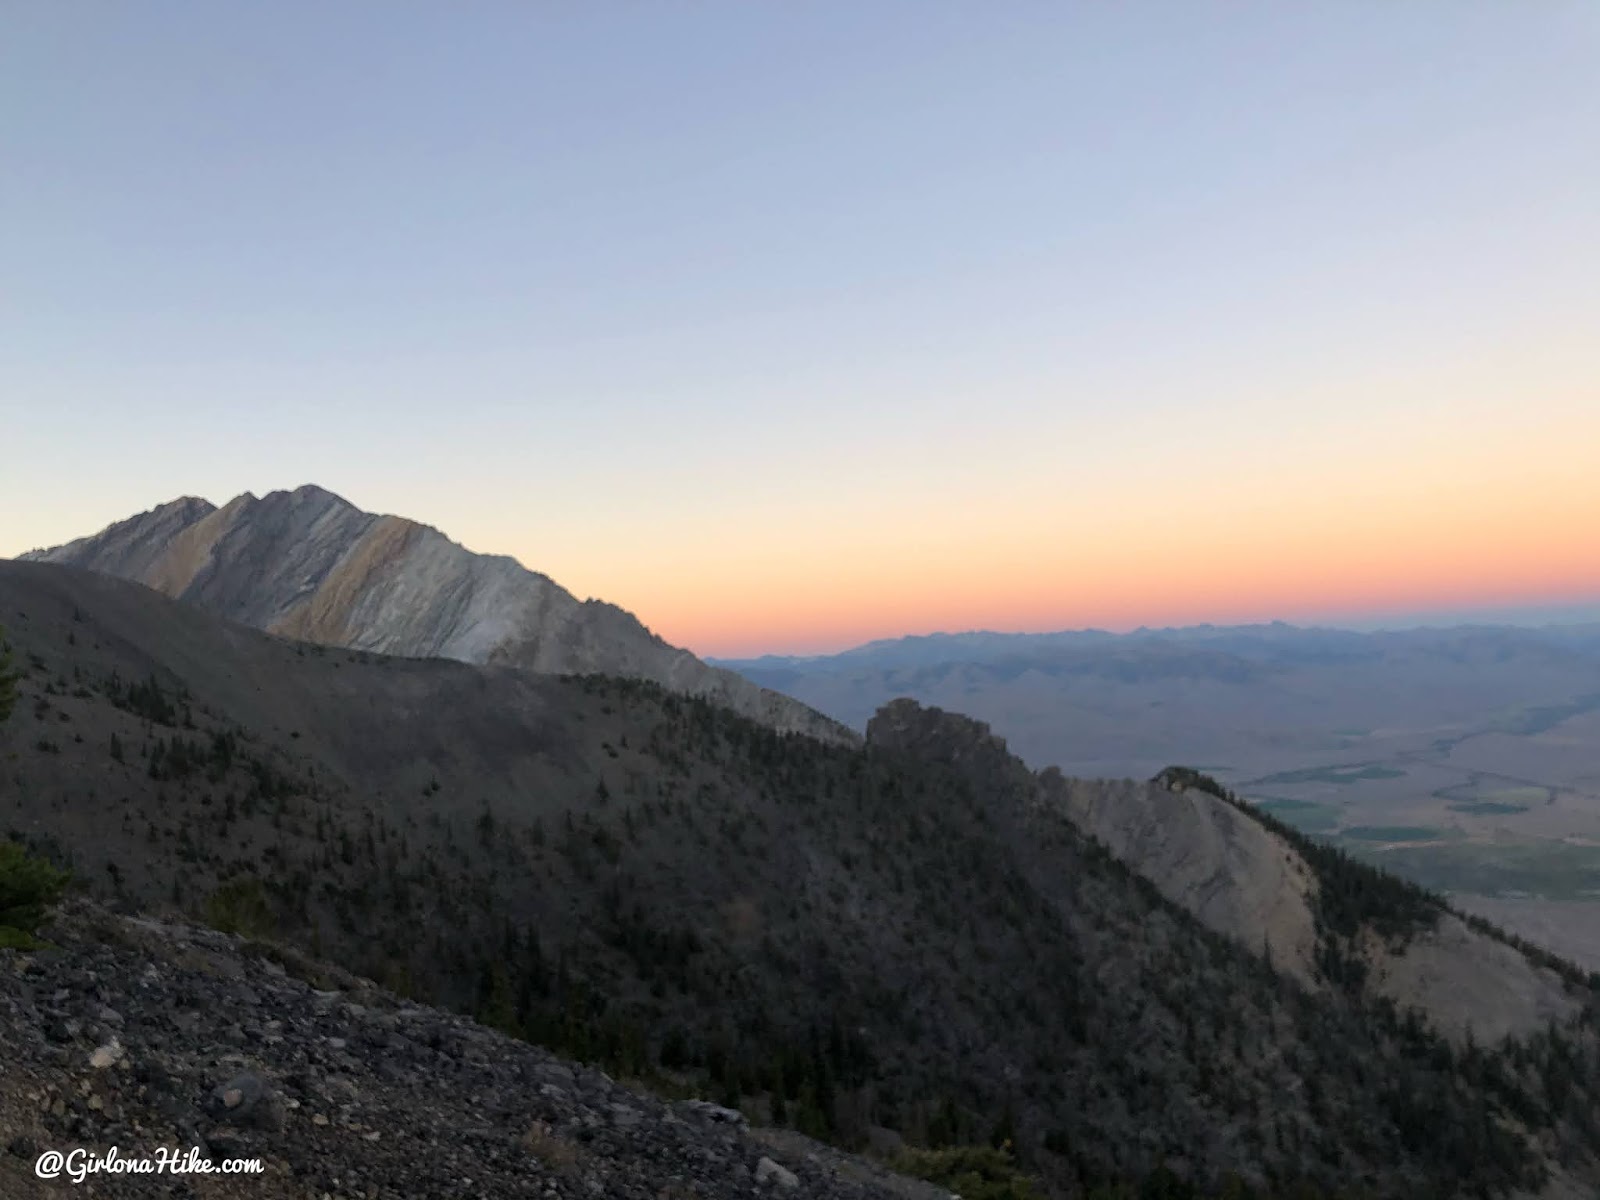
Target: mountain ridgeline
{"points": [[307, 564], [913, 938]]}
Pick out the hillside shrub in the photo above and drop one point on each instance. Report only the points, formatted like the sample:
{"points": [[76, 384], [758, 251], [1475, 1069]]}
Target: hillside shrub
{"points": [[28, 887], [971, 1172]]}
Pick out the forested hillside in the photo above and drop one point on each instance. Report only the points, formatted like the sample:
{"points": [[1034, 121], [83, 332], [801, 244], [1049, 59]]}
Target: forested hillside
{"points": [[898, 941]]}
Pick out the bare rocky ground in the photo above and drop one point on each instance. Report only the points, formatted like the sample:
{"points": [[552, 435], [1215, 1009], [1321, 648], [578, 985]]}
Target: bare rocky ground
{"points": [[140, 1035]]}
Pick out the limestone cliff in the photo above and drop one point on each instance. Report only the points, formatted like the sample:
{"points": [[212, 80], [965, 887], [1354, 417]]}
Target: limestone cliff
{"points": [[1232, 873], [307, 564], [1244, 880]]}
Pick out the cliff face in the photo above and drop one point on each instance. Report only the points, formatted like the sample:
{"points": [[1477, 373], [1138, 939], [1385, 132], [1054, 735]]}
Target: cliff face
{"points": [[309, 565], [1236, 876], [1243, 880], [1247, 882]]}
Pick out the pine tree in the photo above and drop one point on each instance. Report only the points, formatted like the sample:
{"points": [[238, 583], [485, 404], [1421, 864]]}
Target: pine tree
{"points": [[28, 886], [8, 679]]}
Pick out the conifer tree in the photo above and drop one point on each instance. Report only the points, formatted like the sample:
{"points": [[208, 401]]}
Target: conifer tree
{"points": [[8, 679]]}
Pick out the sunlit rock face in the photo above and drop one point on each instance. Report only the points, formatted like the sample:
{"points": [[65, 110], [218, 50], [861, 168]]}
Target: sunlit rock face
{"points": [[309, 565]]}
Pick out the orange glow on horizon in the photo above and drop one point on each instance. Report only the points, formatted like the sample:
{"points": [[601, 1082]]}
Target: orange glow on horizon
{"points": [[835, 631], [1292, 541]]}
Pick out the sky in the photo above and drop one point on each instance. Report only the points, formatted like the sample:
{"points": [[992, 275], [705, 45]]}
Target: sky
{"points": [[787, 326]]}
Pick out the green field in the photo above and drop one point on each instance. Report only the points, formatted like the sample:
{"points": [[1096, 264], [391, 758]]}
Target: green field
{"points": [[1544, 717], [1553, 870], [1308, 816], [1391, 833], [1487, 808], [1352, 774], [1477, 801]]}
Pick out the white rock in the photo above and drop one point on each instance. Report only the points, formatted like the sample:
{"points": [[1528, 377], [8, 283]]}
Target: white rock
{"points": [[769, 1172]]}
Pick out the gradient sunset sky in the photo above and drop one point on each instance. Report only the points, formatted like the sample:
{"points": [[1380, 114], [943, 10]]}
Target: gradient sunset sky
{"points": [[787, 326]]}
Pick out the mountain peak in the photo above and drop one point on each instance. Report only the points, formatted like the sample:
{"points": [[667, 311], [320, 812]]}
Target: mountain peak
{"points": [[125, 545], [906, 724], [935, 735], [306, 494], [197, 504], [310, 492], [310, 565]]}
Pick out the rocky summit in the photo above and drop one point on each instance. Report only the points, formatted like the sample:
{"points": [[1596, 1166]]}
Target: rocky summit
{"points": [[140, 1035], [308, 564]]}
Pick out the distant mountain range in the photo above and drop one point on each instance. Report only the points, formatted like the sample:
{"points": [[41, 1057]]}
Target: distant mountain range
{"points": [[1466, 758], [1103, 704], [308, 564]]}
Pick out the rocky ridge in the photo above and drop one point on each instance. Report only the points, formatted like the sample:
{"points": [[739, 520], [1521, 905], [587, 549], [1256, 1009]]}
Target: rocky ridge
{"points": [[1249, 883], [1237, 877], [307, 564]]}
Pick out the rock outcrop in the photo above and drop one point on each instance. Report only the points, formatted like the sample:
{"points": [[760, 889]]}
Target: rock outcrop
{"points": [[1247, 882], [309, 565], [1470, 984], [1235, 875]]}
